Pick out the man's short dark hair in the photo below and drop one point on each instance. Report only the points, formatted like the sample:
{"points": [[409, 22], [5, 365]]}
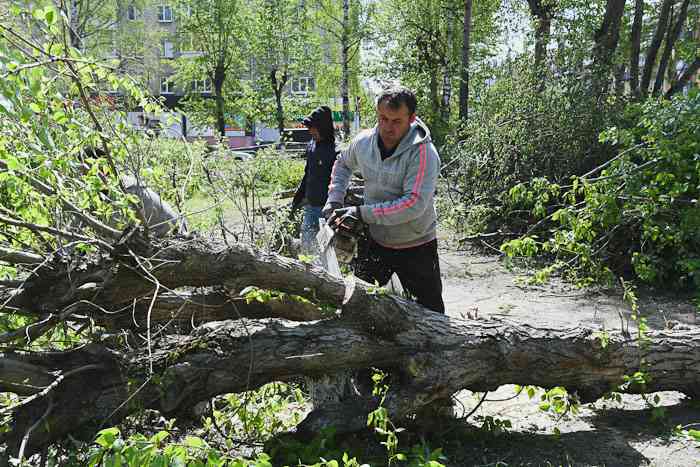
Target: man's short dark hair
{"points": [[397, 95]]}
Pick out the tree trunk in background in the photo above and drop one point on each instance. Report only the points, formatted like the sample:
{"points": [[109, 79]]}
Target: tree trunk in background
{"points": [[684, 78], [620, 79], [74, 25], [653, 49], [606, 40], [446, 95], [464, 73], [277, 88], [447, 78], [542, 12], [434, 97], [635, 46], [345, 82], [219, 77], [674, 32]]}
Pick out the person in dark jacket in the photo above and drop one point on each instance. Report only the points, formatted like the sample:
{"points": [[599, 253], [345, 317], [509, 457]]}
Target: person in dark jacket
{"points": [[313, 190]]}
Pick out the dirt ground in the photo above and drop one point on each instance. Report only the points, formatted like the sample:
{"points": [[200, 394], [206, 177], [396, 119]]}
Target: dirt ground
{"points": [[602, 434]]}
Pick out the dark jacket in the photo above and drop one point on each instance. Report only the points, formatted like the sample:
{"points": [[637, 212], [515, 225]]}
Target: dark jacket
{"points": [[320, 158]]}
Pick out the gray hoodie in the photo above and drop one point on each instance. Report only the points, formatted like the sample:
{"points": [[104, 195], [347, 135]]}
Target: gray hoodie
{"points": [[399, 191]]}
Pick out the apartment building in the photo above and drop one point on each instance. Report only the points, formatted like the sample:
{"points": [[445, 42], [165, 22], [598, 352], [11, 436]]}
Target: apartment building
{"points": [[161, 20]]}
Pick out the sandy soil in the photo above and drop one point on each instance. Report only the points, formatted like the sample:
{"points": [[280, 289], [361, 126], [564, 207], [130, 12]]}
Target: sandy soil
{"points": [[602, 434]]}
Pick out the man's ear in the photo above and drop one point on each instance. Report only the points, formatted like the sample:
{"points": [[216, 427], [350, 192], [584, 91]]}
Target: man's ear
{"points": [[412, 118]]}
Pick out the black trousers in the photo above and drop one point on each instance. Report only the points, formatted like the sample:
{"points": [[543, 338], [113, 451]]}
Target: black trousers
{"points": [[418, 269]]}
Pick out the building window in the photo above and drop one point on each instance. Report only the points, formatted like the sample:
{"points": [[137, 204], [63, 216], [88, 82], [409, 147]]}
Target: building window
{"points": [[165, 14], [131, 12], [166, 86], [201, 85], [303, 85], [166, 49]]}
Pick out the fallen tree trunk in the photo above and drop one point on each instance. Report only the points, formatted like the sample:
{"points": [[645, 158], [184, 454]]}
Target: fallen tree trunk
{"points": [[430, 356]]}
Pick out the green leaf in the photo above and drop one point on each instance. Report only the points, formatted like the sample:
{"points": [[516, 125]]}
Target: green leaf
{"points": [[195, 442], [106, 437], [50, 16], [60, 117], [12, 162], [159, 437], [695, 434]]}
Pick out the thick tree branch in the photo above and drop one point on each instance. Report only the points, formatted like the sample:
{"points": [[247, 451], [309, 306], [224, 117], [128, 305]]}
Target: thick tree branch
{"points": [[653, 50], [19, 257], [674, 32]]}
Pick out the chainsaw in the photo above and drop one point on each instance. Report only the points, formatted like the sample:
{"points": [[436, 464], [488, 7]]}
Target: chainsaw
{"points": [[338, 244]]}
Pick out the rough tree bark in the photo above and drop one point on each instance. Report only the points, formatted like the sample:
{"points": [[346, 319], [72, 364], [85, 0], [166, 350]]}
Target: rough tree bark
{"points": [[606, 40], [542, 11], [430, 356], [345, 59], [653, 50], [635, 46], [464, 72], [674, 32]]}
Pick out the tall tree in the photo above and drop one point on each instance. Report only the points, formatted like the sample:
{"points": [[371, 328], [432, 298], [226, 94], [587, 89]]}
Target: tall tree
{"points": [[464, 70], [543, 12], [284, 48], [635, 45], [674, 32], [653, 50], [347, 22], [89, 18], [607, 36], [219, 28]]}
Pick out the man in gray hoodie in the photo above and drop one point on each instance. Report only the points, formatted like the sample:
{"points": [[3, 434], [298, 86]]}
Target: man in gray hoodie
{"points": [[400, 166]]}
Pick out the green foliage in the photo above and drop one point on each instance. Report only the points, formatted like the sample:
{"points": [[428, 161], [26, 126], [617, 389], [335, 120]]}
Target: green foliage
{"points": [[171, 167], [493, 426], [559, 401], [639, 214], [46, 121], [258, 414], [420, 45], [247, 187], [518, 133], [157, 451]]}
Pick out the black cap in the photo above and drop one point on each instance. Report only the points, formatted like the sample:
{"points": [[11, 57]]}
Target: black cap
{"points": [[320, 117]]}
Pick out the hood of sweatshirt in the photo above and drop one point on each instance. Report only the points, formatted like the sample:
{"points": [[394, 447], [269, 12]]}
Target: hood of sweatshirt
{"points": [[418, 133]]}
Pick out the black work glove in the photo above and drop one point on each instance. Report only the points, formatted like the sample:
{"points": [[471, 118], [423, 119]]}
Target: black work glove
{"points": [[329, 208], [348, 219]]}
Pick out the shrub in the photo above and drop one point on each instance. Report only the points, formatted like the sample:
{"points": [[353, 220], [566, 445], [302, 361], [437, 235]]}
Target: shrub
{"points": [[638, 213]]}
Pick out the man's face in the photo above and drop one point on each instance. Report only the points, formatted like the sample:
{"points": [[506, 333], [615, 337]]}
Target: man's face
{"points": [[393, 123], [315, 134]]}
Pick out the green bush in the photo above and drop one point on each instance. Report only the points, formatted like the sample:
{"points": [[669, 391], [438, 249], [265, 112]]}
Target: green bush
{"points": [[637, 214], [172, 167], [517, 132]]}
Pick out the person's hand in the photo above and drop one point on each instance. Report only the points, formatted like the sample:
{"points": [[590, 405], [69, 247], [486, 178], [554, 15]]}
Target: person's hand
{"points": [[347, 218], [328, 209]]}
